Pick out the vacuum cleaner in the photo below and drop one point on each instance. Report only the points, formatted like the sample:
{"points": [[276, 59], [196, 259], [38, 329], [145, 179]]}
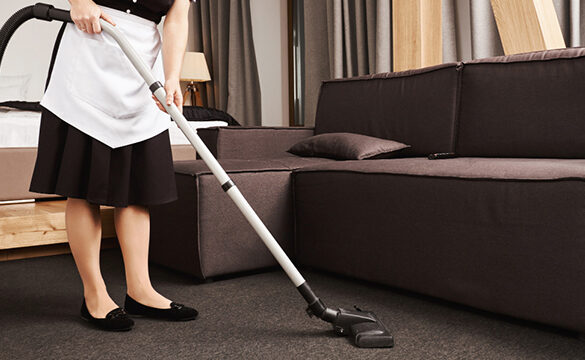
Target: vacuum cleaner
{"points": [[363, 326]]}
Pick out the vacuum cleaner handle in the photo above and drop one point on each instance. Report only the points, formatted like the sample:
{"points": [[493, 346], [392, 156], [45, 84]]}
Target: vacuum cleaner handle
{"points": [[226, 183], [48, 12]]}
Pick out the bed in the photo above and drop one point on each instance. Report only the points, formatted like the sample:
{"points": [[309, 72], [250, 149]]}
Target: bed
{"points": [[19, 131]]}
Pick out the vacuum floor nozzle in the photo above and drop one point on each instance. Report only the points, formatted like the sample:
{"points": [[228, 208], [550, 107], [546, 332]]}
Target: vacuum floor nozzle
{"points": [[365, 327]]}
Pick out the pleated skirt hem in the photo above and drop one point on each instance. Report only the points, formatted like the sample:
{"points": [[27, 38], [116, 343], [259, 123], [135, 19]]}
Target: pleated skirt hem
{"points": [[73, 164]]}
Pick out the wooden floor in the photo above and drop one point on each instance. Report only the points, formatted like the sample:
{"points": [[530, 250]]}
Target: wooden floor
{"points": [[38, 229]]}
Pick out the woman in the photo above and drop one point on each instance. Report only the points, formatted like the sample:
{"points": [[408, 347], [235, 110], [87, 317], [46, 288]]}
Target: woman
{"points": [[104, 141]]}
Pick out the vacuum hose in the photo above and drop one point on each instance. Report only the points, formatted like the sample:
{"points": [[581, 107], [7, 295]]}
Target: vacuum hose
{"points": [[38, 11]]}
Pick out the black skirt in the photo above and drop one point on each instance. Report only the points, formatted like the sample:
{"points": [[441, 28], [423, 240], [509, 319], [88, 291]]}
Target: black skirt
{"points": [[73, 164]]}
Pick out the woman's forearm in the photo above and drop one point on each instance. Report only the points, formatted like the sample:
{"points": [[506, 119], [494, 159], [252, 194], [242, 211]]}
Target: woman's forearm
{"points": [[175, 33], [76, 2]]}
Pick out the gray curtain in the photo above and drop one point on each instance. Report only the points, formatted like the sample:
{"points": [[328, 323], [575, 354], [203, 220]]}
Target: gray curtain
{"points": [[359, 37], [571, 16], [469, 30], [222, 29], [355, 39]]}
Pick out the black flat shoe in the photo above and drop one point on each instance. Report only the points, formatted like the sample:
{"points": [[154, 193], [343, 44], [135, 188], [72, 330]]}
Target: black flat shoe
{"points": [[177, 312], [115, 320]]}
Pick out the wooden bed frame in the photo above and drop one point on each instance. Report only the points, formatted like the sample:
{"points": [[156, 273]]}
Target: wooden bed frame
{"points": [[18, 165], [37, 227]]}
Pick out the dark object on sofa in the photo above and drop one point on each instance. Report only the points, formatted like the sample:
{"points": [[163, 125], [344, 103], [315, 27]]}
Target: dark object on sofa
{"points": [[346, 146], [498, 228], [198, 113]]}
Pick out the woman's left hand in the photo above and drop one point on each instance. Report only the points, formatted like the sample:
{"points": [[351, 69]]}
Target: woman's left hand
{"points": [[173, 89]]}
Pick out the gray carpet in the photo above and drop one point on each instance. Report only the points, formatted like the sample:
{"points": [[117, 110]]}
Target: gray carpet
{"points": [[257, 316]]}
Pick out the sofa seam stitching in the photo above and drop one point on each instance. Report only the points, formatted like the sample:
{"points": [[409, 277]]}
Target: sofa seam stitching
{"points": [[439, 67], [456, 127], [568, 178]]}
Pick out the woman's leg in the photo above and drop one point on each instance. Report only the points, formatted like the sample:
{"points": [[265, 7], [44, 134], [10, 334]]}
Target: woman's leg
{"points": [[84, 233], [133, 230]]}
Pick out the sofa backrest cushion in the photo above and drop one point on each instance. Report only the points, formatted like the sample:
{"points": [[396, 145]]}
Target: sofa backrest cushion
{"points": [[414, 107], [525, 105]]}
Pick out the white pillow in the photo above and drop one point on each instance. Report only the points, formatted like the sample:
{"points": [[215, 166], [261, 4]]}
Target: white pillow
{"points": [[14, 87]]}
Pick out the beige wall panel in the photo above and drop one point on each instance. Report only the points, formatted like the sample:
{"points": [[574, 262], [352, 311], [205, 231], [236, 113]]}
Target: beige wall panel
{"points": [[416, 33], [527, 25]]}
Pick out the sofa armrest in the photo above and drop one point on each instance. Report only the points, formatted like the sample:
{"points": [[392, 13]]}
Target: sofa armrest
{"points": [[238, 142]]}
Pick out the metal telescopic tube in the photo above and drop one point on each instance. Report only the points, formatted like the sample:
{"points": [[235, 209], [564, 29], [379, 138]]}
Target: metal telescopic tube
{"points": [[233, 192]]}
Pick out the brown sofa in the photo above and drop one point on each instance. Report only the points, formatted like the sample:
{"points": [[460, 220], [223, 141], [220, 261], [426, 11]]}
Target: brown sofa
{"points": [[498, 228]]}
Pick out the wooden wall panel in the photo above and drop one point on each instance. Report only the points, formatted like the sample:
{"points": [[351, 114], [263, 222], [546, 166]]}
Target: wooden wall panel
{"points": [[527, 25], [416, 33]]}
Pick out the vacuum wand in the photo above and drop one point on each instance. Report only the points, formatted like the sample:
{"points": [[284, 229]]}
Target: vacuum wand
{"points": [[366, 329], [374, 334]]}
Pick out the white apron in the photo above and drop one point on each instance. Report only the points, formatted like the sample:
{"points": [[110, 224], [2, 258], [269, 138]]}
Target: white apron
{"points": [[96, 89]]}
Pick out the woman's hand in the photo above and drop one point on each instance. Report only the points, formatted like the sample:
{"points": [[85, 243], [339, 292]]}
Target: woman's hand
{"points": [[174, 95], [86, 14]]}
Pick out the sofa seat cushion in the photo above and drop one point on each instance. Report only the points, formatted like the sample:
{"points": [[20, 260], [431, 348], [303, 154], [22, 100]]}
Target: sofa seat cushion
{"points": [[467, 168], [252, 142], [501, 235], [198, 167], [204, 234]]}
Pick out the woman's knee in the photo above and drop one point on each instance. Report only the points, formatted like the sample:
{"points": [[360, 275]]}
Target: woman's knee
{"points": [[131, 209], [81, 207], [82, 202]]}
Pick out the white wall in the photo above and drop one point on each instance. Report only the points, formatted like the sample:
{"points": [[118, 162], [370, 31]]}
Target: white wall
{"points": [[269, 29], [29, 50]]}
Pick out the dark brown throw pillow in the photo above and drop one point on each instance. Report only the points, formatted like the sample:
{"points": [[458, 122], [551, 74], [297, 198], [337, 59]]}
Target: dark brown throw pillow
{"points": [[346, 146]]}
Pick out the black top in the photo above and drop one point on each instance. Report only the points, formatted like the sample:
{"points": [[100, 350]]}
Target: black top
{"points": [[152, 10]]}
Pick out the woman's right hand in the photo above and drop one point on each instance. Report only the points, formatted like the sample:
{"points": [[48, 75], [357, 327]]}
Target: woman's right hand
{"points": [[86, 14]]}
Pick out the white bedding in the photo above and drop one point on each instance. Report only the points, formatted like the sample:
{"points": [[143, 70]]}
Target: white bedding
{"points": [[21, 129]]}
